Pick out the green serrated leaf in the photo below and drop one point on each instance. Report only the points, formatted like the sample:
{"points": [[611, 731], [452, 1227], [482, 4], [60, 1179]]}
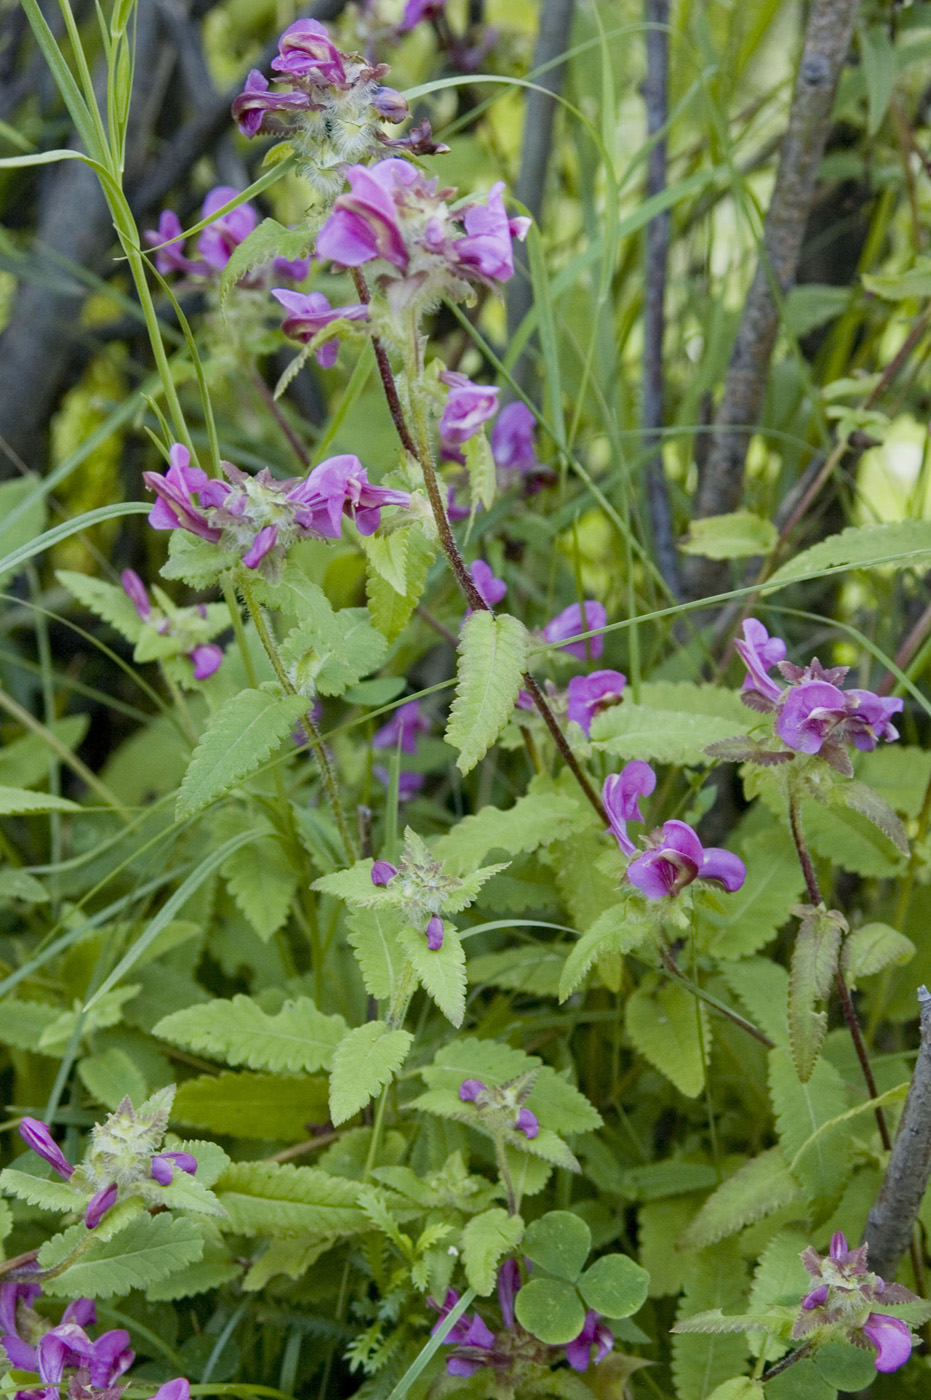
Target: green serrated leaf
{"points": [[802, 1109], [492, 658], [298, 1038], [670, 1027], [615, 1286], [391, 608], [738, 1388], [215, 1268], [104, 600], [241, 736], [268, 241], [865, 800], [24, 762], [550, 1310], [364, 1061], [560, 1243], [486, 1239], [535, 820], [373, 936], [112, 1076], [267, 1198], [714, 1285], [903, 544], [23, 1023], [387, 555], [613, 933], [253, 1105], [739, 535], [39, 1191], [483, 474], [873, 947], [442, 973], [263, 883], [753, 914], [330, 657], [150, 1248], [664, 736], [811, 978], [762, 1185], [18, 802]]}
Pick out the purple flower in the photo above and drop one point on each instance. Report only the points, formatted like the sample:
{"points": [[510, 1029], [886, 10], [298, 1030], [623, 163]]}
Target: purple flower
{"points": [[621, 795], [306, 49], [205, 658], [508, 1288], [434, 933], [169, 258], [402, 728], [759, 651], [409, 784], [175, 507], [471, 1089], [11, 1295], [250, 106], [589, 695], [98, 1205], [869, 718], [526, 1123], [491, 590], [810, 712], [339, 486], [816, 1298], [453, 509], [593, 1333], [470, 1334], [468, 406], [677, 857], [512, 439], [891, 1338], [578, 617], [164, 1164], [135, 590], [217, 242], [365, 224], [416, 10], [309, 313], [69, 1345], [179, 1389], [37, 1136], [383, 872], [486, 248]]}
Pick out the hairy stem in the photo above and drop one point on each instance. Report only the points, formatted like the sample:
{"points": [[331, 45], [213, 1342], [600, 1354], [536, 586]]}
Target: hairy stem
{"points": [[787, 1361], [843, 991]]}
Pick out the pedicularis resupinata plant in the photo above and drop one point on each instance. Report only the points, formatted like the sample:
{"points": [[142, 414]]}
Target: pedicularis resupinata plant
{"points": [[477, 949]]}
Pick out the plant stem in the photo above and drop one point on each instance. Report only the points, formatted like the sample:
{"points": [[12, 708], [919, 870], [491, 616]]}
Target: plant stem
{"points": [[423, 454], [843, 991], [313, 734], [787, 1361]]}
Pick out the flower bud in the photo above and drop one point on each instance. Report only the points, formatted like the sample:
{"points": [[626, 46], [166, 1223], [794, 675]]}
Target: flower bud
{"points": [[435, 934], [383, 872], [37, 1136]]}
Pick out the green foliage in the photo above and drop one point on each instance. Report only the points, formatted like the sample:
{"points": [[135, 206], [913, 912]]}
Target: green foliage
{"points": [[364, 1061], [761, 1186], [550, 1310], [817, 1159], [670, 1028], [811, 978], [151, 1247], [264, 1198], [252, 1105], [662, 735], [492, 657], [18, 802], [614, 1286], [240, 738], [559, 1242], [238, 1032], [739, 535], [441, 973], [485, 1240], [394, 591], [906, 544]]}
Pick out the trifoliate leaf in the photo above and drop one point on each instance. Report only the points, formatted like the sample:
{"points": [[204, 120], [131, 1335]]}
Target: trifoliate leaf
{"points": [[560, 1243], [615, 1286], [550, 1310]]}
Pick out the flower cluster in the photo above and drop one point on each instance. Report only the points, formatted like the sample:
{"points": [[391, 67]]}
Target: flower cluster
{"points": [[332, 108], [425, 250], [476, 1346], [813, 714], [674, 856], [402, 731], [32, 1344], [844, 1297], [124, 1158], [185, 627], [419, 887], [259, 518], [217, 243], [507, 1097]]}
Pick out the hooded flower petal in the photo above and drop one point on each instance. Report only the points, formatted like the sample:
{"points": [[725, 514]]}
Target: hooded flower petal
{"points": [[486, 246], [512, 438], [811, 710], [508, 1287], [205, 659], [589, 695], [383, 872], [468, 406], [759, 651], [578, 617], [37, 1136], [98, 1205], [621, 795], [470, 1089], [891, 1338], [435, 934], [220, 239], [527, 1123]]}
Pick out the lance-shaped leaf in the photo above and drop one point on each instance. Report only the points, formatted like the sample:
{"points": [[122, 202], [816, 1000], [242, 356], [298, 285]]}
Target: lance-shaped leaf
{"points": [[240, 738], [441, 972], [298, 1038], [867, 801], [872, 947], [150, 1248], [761, 1186], [492, 659], [814, 964]]}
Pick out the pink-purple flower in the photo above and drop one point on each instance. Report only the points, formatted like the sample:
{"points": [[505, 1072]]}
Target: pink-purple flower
{"points": [[99, 1204], [407, 722], [417, 10], [258, 516], [216, 243], [37, 1136], [164, 1165], [257, 100], [589, 695], [205, 657], [434, 932], [491, 590], [512, 439], [309, 313], [468, 406], [845, 1297], [676, 857], [67, 1345], [305, 49], [394, 213], [621, 796], [578, 617], [595, 1334], [383, 872], [759, 652]]}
